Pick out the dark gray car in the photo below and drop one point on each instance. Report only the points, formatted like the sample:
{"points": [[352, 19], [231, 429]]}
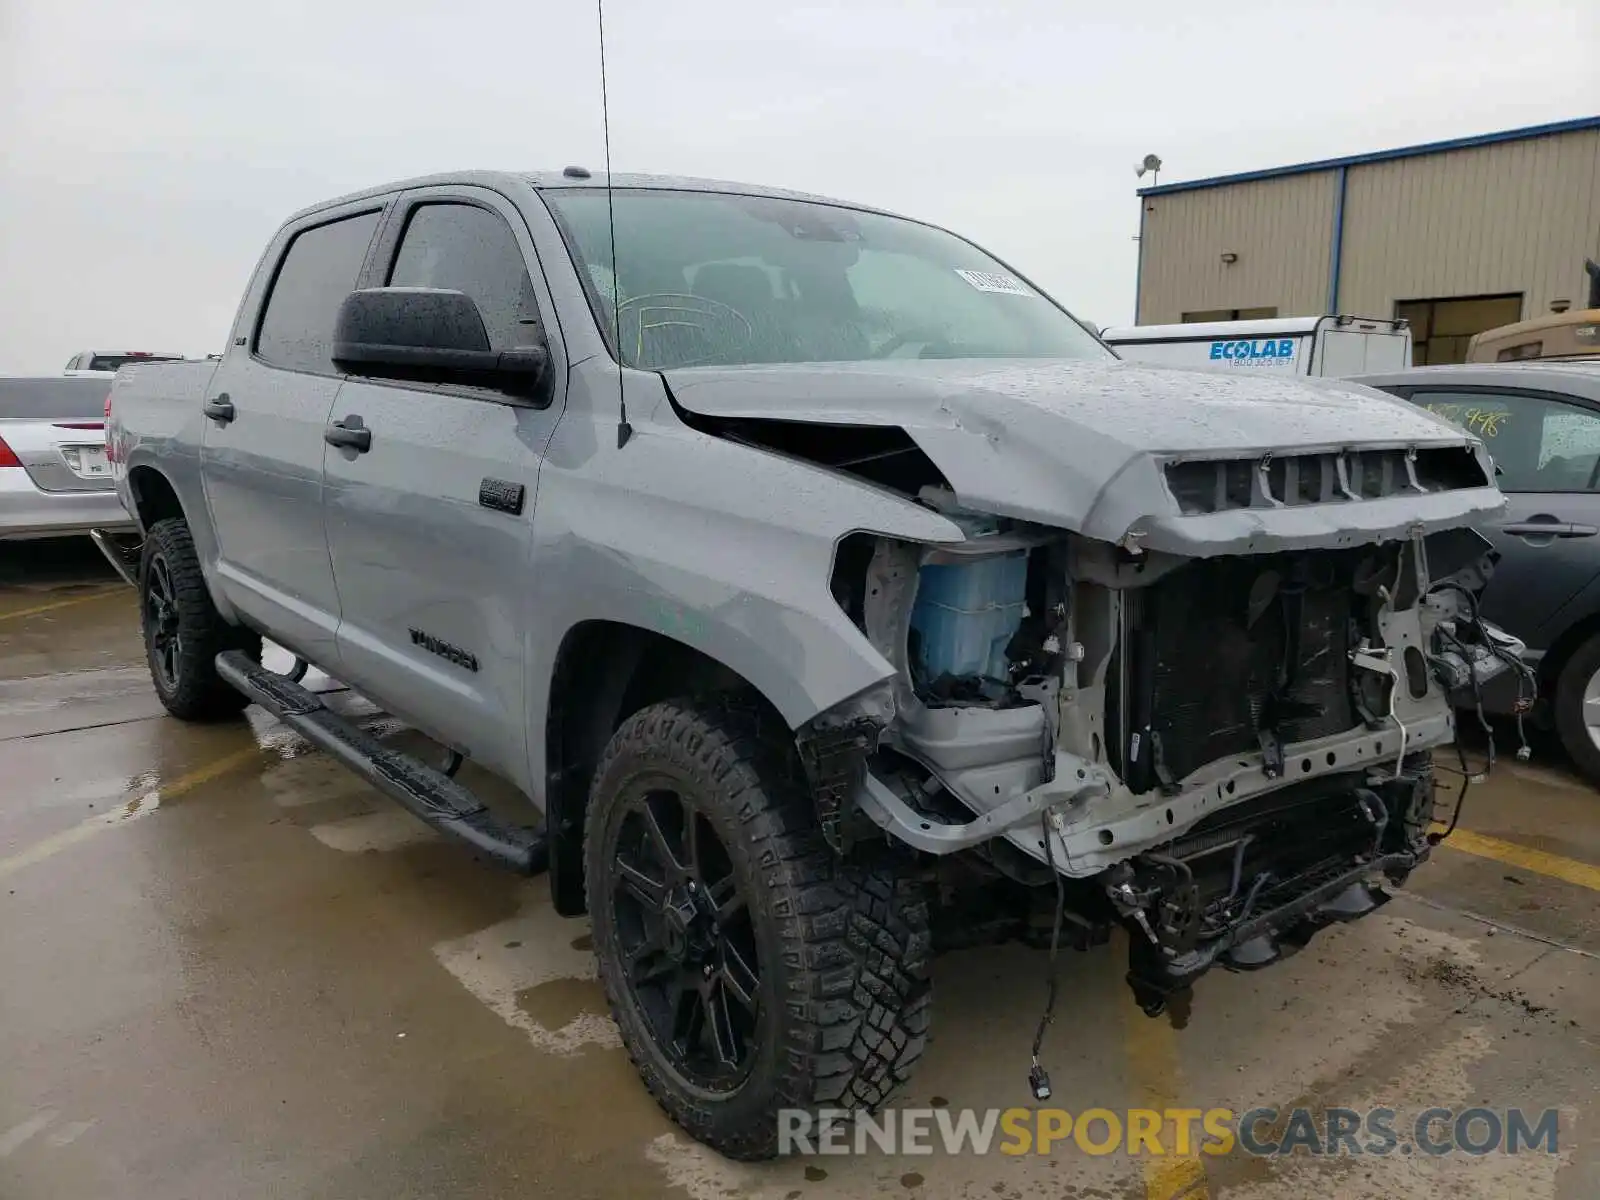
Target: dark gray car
{"points": [[1541, 422]]}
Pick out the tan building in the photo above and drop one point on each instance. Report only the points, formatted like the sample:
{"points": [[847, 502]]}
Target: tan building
{"points": [[1456, 236]]}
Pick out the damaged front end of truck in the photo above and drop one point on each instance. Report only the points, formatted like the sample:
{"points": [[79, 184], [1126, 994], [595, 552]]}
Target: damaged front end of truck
{"points": [[1202, 706], [1221, 754]]}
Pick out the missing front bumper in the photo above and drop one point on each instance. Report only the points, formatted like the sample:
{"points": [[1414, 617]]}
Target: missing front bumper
{"points": [[1099, 823], [1267, 937], [1249, 889]]}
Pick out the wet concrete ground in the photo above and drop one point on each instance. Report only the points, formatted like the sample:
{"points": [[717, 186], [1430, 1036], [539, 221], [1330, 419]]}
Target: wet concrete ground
{"points": [[228, 969]]}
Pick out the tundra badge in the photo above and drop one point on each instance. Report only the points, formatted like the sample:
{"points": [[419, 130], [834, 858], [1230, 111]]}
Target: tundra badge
{"points": [[451, 653]]}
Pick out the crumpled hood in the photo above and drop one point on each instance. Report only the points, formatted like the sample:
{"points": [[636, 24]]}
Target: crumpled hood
{"points": [[1083, 444]]}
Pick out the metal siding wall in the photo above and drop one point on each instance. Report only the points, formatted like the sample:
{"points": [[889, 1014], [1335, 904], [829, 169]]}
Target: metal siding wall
{"points": [[1514, 217], [1279, 228]]}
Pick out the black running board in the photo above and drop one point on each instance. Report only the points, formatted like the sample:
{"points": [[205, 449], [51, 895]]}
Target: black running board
{"points": [[121, 552], [422, 791]]}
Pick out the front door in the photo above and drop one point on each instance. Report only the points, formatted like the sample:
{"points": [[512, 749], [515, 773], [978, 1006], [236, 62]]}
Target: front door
{"points": [[262, 446], [429, 528], [1547, 449]]}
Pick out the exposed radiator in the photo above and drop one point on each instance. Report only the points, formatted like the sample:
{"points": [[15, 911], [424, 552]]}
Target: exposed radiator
{"points": [[1221, 634]]}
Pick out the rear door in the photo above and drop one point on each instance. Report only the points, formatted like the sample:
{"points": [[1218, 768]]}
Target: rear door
{"points": [[1344, 352], [1546, 446], [429, 528], [267, 407]]}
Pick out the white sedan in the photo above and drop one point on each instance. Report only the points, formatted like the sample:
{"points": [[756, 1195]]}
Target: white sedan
{"points": [[55, 480]]}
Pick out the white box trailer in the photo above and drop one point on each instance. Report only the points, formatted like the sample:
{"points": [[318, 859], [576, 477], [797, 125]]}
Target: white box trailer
{"points": [[1328, 346]]}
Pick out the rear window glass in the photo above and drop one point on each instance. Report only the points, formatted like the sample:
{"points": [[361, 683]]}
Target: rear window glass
{"points": [[53, 399], [318, 272], [110, 362]]}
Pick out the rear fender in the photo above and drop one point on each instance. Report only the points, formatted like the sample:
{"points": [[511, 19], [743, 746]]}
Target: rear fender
{"points": [[158, 485]]}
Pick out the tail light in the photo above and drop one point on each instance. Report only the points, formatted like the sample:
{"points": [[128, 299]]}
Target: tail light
{"points": [[108, 406], [8, 456]]}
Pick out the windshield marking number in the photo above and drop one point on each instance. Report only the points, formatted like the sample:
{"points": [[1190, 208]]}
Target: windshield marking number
{"points": [[995, 281]]}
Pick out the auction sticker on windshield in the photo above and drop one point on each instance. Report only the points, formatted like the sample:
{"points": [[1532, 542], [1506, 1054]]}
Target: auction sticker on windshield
{"points": [[995, 281]]}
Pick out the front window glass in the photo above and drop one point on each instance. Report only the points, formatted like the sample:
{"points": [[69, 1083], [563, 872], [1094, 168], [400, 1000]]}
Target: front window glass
{"points": [[713, 279], [1539, 443], [470, 249]]}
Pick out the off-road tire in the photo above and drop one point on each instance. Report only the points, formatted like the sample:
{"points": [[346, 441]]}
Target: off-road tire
{"points": [[844, 950], [196, 692], [1576, 672]]}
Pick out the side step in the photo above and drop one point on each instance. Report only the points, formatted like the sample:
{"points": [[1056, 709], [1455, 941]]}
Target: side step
{"points": [[121, 551], [421, 790]]}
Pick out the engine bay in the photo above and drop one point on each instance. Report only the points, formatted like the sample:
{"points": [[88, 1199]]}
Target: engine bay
{"points": [[1219, 753]]}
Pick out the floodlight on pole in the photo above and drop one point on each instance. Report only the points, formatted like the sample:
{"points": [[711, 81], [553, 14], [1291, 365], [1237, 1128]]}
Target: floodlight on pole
{"points": [[1151, 163]]}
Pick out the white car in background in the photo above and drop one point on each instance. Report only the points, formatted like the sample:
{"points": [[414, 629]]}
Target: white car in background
{"points": [[55, 479]]}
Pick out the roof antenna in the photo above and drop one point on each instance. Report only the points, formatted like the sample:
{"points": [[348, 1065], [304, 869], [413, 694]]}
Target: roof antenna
{"points": [[624, 430]]}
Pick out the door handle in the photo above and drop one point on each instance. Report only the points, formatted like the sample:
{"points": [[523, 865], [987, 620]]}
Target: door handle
{"points": [[350, 437], [220, 410], [1549, 529]]}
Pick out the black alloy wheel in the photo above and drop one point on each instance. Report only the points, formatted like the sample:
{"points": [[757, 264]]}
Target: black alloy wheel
{"points": [[161, 623], [183, 632], [684, 930], [748, 968]]}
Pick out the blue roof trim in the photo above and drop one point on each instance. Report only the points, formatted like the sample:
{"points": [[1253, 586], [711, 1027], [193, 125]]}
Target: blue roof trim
{"points": [[1329, 164]]}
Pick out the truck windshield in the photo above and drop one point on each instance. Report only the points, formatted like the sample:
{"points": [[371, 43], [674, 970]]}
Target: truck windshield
{"points": [[715, 279]]}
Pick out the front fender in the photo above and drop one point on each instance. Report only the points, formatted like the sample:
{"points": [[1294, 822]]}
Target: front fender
{"points": [[723, 547]]}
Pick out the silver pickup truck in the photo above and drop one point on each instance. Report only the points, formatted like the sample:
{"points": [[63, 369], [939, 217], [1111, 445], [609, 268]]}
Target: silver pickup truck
{"points": [[833, 594]]}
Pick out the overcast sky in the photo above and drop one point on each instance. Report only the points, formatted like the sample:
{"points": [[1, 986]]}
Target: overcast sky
{"points": [[149, 148]]}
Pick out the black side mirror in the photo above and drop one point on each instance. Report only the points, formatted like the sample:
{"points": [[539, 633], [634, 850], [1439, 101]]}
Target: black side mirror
{"points": [[429, 335]]}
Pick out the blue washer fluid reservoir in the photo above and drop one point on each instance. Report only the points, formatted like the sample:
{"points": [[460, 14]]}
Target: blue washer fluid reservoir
{"points": [[966, 614]]}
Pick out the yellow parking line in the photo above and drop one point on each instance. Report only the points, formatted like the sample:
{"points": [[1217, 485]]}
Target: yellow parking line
{"points": [[1540, 862], [68, 603], [1151, 1045], [1152, 1049], [136, 807]]}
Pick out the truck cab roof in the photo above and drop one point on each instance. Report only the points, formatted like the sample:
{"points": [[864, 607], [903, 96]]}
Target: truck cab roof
{"points": [[541, 179]]}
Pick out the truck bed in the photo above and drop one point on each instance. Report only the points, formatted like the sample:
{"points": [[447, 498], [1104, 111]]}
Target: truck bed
{"points": [[156, 407], [158, 403]]}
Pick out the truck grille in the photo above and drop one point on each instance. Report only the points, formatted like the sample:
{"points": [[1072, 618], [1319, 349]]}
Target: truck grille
{"points": [[1224, 484]]}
